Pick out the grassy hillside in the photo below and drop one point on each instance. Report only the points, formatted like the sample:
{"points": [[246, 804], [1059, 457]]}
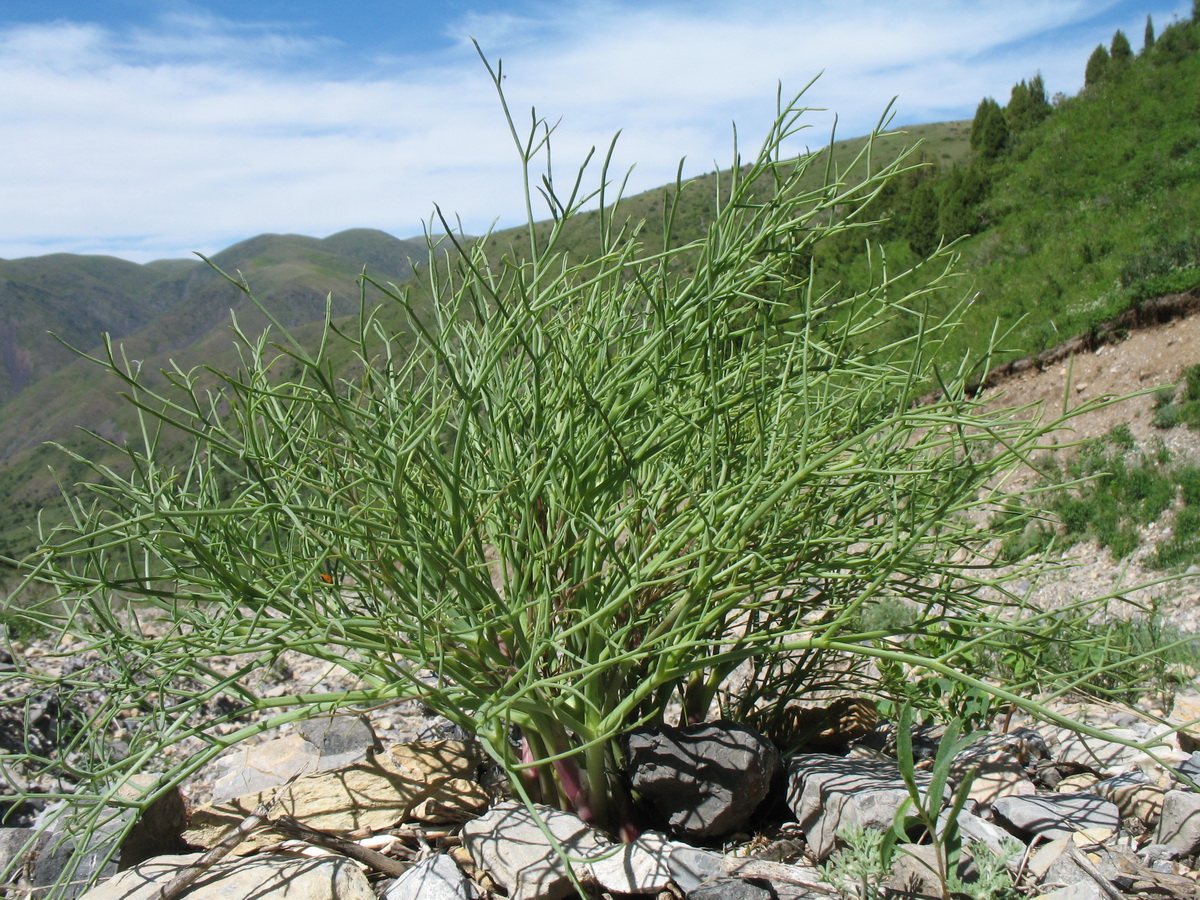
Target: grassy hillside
{"points": [[1077, 217], [944, 142]]}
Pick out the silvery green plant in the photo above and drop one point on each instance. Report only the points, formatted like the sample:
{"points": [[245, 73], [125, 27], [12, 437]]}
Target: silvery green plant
{"points": [[560, 498], [862, 865]]}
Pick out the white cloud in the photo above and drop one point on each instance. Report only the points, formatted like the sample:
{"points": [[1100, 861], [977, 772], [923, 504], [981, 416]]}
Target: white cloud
{"points": [[196, 132]]}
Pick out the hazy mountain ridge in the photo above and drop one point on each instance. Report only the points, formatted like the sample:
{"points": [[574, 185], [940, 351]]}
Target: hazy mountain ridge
{"points": [[172, 304], [77, 298], [163, 315]]}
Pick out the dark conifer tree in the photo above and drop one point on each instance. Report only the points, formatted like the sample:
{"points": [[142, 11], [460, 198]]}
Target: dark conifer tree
{"points": [[1148, 38], [989, 131], [922, 227], [1177, 41], [1016, 114], [1097, 66], [963, 190], [1028, 105], [1037, 94], [1121, 53]]}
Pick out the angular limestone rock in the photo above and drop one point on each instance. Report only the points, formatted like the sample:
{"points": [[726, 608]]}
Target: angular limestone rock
{"points": [[1179, 826], [1057, 815], [640, 867], [266, 877], [992, 773], [508, 843], [691, 867], [372, 795], [1106, 757], [914, 871], [318, 745], [1186, 712], [435, 878], [734, 889], [1190, 767], [830, 793], [1079, 890], [13, 843], [155, 832], [705, 780], [336, 735], [1134, 795], [457, 800]]}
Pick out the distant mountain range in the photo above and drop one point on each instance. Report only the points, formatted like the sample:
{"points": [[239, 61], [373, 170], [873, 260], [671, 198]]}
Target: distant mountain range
{"points": [[160, 313], [170, 304]]}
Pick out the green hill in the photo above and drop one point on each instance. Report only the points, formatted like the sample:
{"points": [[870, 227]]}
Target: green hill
{"points": [[1075, 216]]}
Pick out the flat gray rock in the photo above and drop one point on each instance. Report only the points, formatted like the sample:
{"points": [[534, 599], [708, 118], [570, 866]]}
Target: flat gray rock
{"points": [[262, 877], [1079, 890], [1191, 766], [1057, 815], [828, 794], [691, 867], [1106, 757], [154, 832], [1179, 824], [13, 843], [1134, 795], [639, 867], [318, 745], [336, 735], [508, 843], [734, 889], [435, 878]]}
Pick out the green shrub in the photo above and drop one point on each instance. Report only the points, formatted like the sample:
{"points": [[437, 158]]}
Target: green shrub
{"points": [[579, 492], [1135, 657], [1118, 491], [1168, 415], [1076, 514], [1033, 538], [1189, 483], [1183, 547], [1121, 436], [1191, 383], [1170, 412], [1108, 490]]}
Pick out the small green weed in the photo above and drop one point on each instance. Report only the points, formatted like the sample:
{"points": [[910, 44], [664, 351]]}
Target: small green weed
{"points": [[19, 628], [860, 869], [1026, 532], [1183, 547]]}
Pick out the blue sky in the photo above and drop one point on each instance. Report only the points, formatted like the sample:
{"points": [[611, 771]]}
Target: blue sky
{"points": [[149, 129]]}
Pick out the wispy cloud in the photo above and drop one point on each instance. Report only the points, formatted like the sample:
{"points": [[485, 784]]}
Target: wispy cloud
{"points": [[193, 131]]}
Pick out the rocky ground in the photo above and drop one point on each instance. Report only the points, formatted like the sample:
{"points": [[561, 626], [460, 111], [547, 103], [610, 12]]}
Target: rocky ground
{"points": [[386, 805], [1133, 368]]}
